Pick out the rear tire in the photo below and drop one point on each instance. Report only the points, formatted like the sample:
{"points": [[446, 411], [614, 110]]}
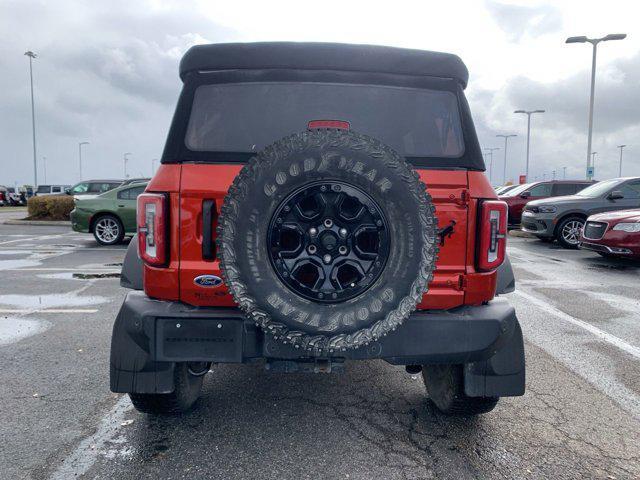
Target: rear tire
{"points": [[108, 230], [445, 387], [184, 396], [568, 232]]}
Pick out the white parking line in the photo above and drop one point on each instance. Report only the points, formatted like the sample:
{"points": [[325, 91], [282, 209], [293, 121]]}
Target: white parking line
{"points": [[100, 443], [60, 269], [607, 337], [48, 310]]}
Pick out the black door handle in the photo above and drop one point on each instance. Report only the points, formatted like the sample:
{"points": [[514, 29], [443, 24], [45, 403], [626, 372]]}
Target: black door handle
{"points": [[208, 212]]}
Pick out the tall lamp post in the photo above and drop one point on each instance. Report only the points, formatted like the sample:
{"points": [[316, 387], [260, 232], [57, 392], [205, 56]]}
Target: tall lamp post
{"points": [[593, 162], [490, 153], [504, 166], [125, 159], [80, 144], [31, 56], [594, 42], [620, 169], [528, 113], [564, 173], [153, 166], [44, 164]]}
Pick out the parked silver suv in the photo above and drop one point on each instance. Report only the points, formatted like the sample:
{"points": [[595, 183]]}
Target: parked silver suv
{"points": [[562, 218]]}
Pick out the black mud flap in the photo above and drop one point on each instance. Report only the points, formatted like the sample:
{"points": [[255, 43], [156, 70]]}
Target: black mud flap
{"points": [[131, 367], [502, 375]]}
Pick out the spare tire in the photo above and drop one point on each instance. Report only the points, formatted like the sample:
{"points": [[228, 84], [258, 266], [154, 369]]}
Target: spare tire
{"points": [[327, 240]]}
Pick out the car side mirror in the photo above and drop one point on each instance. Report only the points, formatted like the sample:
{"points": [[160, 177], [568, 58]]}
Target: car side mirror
{"points": [[526, 194], [67, 191], [615, 195]]}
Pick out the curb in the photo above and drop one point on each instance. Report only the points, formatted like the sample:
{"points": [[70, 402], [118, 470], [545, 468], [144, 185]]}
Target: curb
{"points": [[52, 223]]}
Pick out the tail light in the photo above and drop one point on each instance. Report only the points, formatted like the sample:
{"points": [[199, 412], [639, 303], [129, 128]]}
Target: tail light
{"points": [[152, 228], [493, 235]]}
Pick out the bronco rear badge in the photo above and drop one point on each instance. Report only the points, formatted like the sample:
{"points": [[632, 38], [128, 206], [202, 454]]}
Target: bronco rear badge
{"points": [[208, 281]]}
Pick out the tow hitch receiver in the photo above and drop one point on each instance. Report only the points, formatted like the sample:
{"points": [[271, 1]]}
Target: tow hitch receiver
{"points": [[320, 365]]}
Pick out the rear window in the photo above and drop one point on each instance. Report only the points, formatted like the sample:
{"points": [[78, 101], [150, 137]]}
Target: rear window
{"points": [[246, 117]]}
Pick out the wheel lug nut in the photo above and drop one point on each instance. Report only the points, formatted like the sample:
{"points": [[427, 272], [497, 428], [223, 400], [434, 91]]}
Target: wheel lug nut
{"points": [[327, 258], [312, 249], [313, 231], [342, 250], [343, 232], [328, 223]]}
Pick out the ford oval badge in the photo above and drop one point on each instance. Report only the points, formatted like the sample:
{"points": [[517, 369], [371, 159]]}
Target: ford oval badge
{"points": [[208, 281]]}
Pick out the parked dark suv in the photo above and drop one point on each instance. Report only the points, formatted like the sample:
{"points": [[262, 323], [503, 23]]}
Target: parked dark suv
{"points": [[316, 204], [563, 218], [518, 197]]}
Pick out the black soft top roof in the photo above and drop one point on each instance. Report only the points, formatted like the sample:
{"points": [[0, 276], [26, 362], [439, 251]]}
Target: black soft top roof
{"points": [[323, 56]]}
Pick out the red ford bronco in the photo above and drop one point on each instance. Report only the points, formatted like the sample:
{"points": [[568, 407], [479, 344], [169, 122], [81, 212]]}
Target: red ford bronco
{"points": [[318, 203]]}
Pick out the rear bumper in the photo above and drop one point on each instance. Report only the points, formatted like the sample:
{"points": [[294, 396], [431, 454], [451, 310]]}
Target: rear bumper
{"points": [[150, 336]]}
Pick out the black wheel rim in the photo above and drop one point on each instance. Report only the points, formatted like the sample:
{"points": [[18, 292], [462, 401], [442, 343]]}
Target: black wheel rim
{"points": [[328, 241]]}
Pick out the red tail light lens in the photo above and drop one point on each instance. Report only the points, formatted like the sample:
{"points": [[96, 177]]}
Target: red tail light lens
{"points": [[152, 228], [493, 235]]}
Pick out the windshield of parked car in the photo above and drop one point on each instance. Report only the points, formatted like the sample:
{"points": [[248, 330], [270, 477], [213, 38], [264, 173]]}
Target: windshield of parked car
{"points": [[518, 190], [246, 117], [598, 189]]}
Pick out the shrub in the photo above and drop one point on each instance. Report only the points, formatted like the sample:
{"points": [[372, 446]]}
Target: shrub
{"points": [[50, 207]]}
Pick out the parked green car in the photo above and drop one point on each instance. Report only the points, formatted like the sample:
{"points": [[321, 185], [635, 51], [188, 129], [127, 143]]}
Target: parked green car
{"points": [[110, 216]]}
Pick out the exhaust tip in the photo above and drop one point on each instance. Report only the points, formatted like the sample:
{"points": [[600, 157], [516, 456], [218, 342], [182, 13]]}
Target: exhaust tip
{"points": [[413, 369]]}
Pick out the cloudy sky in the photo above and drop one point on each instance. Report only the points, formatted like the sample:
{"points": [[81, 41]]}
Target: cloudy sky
{"points": [[106, 73]]}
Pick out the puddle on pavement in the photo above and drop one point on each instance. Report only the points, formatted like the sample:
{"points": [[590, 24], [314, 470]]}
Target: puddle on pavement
{"points": [[79, 275], [88, 276], [13, 264], [54, 300], [13, 330]]}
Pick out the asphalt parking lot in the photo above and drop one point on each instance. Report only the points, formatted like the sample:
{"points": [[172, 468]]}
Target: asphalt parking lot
{"points": [[580, 417]]}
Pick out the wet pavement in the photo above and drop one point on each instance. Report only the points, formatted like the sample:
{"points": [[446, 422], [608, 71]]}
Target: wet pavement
{"points": [[580, 417]]}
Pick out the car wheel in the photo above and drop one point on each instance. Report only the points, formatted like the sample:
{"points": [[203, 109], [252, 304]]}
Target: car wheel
{"points": [[445, 388], [108, 230], [188, 378], [568, 232], [346, 235]]}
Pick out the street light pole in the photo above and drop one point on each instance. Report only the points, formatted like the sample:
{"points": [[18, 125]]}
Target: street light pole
{"points": [[153, 166], [124, 157], [593, 162], [504, 166], [490, 152], [620, 169], [528, 113], [44, 164], [31, 56], [594, 42], [564, 173], [80, 144]]}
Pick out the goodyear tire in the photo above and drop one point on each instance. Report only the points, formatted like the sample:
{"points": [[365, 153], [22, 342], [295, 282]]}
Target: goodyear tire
{"points": [[362, 222]]}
